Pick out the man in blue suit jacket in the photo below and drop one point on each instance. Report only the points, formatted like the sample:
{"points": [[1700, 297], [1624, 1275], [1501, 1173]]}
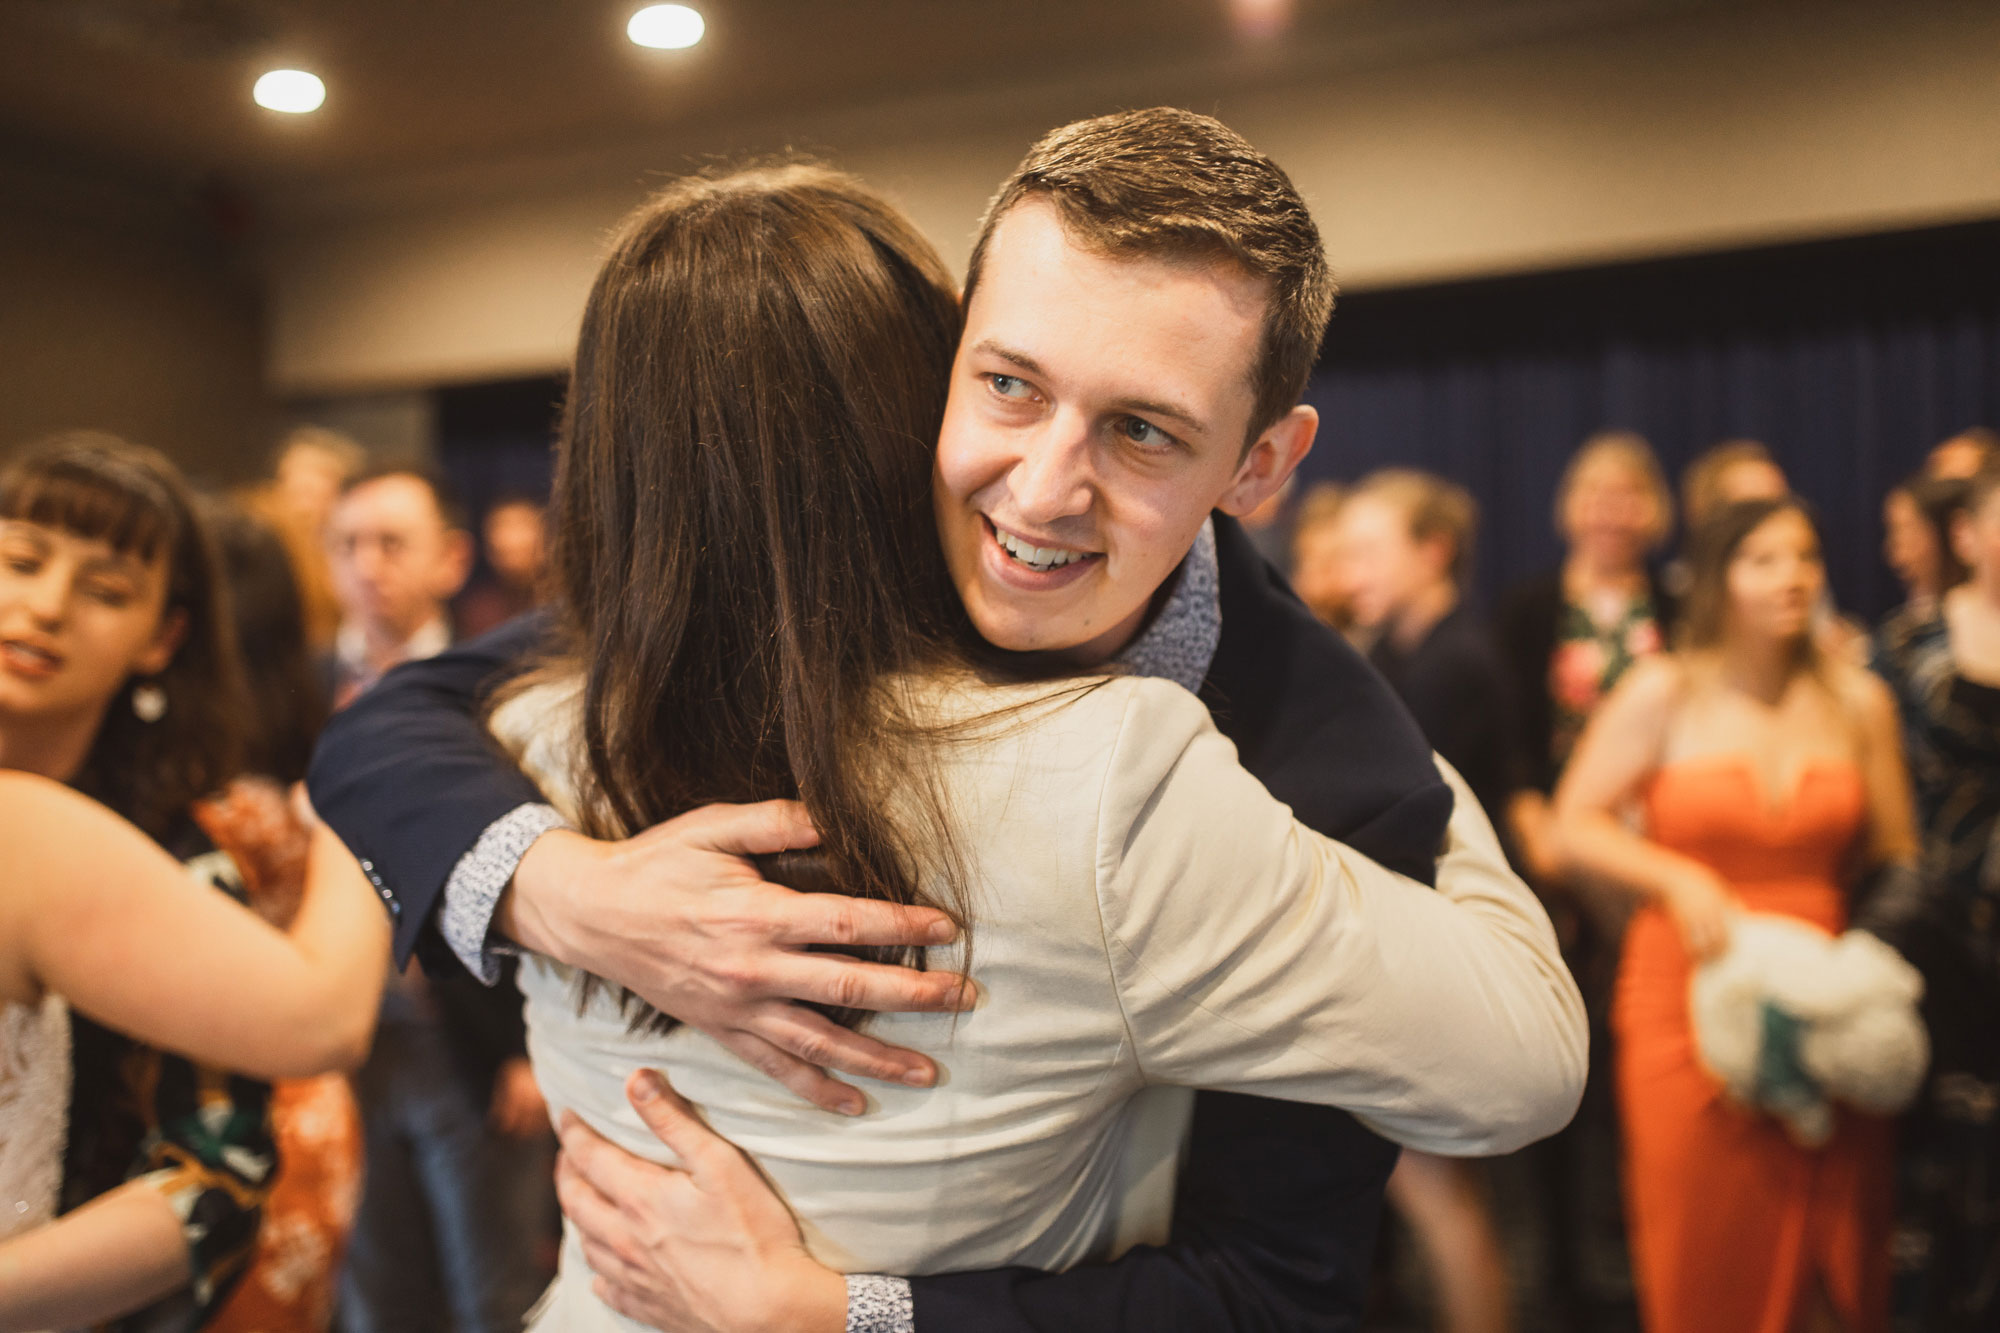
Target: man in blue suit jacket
{"points": [[1084, 446]]}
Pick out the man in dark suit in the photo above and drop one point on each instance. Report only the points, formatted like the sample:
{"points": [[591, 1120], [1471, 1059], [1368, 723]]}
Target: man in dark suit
{"points": [[1079, 462], [457, 1143]]}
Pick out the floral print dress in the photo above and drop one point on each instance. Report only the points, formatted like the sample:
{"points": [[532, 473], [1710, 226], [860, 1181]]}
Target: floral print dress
{"points": [[1590, 656]]}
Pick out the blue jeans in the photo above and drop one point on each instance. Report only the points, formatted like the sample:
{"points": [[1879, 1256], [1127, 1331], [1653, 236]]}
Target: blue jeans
{"points": [[452, 1227]]}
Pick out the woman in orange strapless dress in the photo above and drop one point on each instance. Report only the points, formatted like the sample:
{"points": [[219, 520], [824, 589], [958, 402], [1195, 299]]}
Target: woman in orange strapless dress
{"points": [[1764, 779]]}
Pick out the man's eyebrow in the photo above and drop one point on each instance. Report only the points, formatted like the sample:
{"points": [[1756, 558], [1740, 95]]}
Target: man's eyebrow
{"points": [[1152, 407], [993, 347], [1145, 406]]}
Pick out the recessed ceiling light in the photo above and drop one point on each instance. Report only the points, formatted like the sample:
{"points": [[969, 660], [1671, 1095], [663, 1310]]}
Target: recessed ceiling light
{"points": [[666, 27], [289, 90]]}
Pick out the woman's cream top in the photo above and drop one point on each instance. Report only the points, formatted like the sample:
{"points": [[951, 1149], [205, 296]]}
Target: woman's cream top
{"points": [[1145, 915]]}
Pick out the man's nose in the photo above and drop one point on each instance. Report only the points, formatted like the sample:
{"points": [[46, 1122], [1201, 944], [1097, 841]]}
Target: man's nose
{"points": [[1054, 477]]}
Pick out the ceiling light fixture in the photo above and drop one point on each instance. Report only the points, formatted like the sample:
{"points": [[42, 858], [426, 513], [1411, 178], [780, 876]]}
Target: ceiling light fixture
{"points": [[666, 27], [292, 91]]}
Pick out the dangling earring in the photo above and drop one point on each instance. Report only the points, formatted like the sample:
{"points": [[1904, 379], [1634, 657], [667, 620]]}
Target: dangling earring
{"points": [[149, 701]]}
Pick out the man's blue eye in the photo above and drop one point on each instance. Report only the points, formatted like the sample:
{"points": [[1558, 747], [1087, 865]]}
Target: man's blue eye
{"points": [[1143, 432]]}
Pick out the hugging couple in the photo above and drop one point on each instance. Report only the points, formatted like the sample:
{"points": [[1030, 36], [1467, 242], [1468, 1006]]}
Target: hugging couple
{"points": [[949, 590]]}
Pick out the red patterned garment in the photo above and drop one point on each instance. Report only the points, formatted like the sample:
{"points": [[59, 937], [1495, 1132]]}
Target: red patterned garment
{"points": [[290, 1285]]}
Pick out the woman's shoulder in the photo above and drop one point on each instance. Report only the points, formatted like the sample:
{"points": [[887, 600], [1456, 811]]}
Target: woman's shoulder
{"points": [[1106, 733], [1070, 706], [1660, 683], [539, 723], [1860, 693]]}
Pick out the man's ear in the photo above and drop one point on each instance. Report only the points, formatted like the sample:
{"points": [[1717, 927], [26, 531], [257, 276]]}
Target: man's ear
{"points": [[166, 642], [1963, 544], [456, 565], [1439, 554], [1271, 460]]}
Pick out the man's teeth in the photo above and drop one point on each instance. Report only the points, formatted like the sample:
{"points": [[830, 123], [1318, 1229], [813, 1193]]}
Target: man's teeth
{"points": [[1038, 558]]}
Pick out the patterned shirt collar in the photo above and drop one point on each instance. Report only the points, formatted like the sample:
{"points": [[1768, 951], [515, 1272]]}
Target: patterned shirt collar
{"points": [[1180, 642]]}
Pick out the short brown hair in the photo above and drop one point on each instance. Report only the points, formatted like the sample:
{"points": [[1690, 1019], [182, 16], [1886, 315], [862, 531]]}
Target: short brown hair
{"points": [[1981, 486], [1433, 507], [451, 513], [1172, 184], [1701, 483]]}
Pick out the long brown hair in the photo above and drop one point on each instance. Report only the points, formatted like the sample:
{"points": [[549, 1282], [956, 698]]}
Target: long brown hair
{"points": [[1705, 614], [100, 487], [283, 697], [744, 553]]}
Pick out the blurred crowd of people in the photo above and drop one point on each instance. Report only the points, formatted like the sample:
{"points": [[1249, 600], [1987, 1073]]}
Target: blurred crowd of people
{"points": [[221, 630], [1666, 737], [1662, 741]]}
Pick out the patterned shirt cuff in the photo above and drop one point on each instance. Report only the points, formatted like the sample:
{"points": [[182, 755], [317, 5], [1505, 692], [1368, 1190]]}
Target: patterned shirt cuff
{"points": [[878, 1304], [472, 894]]}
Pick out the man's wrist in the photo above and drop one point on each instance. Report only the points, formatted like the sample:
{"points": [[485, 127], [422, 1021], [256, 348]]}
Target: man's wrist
{"points": [[533, 907], [471, 897], [879, 1304]]}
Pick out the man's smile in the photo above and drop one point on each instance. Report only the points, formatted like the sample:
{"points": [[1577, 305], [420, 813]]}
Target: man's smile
{"points": [[1033, 566]]}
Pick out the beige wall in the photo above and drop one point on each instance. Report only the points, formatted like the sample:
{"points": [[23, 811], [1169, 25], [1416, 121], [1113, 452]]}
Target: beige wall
{"points": [[118, 316], [1705, 128]]}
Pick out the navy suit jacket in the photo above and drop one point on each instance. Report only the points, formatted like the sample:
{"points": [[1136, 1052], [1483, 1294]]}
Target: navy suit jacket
{"points": [[1276, 1210]]}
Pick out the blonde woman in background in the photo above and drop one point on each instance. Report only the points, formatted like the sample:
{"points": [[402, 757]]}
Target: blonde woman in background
{"points": [[311, 468], [1567, 638]]}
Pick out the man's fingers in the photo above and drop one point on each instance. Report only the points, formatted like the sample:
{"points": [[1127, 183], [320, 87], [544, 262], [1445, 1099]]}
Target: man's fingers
{"points": [[598, 1222], [820, 1042], [750, 830], [829, 918], [603, 1164], [847, 983], [675, 1124], [626, 1301], [808, 1081]]}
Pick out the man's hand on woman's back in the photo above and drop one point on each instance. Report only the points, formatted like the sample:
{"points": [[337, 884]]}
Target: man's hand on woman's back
{"points": [[679, 916]]}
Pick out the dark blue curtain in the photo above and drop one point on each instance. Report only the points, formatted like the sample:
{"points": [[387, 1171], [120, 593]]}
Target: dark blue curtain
{"points": [[1849, 359], [496, 441]]}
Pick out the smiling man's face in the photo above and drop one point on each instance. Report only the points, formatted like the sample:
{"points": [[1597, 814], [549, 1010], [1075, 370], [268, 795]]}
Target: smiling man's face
{"points": [[1098, 411]]}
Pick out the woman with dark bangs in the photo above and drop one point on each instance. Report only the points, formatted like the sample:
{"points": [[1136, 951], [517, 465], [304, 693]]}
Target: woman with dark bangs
{"points": [[119, 676]]}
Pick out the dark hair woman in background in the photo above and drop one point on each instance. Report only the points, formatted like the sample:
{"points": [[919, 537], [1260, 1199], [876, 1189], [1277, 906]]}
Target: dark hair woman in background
{"points": [[290, 1284], [1917, 521], [1945, 670]]}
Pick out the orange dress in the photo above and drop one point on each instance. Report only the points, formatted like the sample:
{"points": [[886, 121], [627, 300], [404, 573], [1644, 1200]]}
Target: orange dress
{"points": [[1731, 1222]]}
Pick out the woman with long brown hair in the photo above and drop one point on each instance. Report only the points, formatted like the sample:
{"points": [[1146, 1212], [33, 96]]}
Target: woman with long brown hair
{"points": [[1767, 778], [119, 676], [289, 1285], [749, 577]]}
